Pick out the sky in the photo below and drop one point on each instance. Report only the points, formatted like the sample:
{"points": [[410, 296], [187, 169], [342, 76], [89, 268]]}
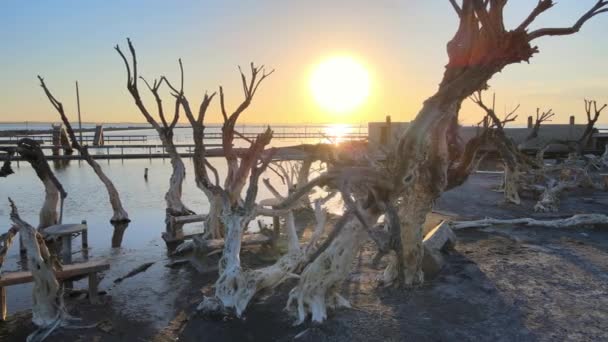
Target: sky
{"points": [[400, 43]]}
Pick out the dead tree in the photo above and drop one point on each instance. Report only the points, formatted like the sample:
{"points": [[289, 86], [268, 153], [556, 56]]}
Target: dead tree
{"points": [[48, 311], [234, 212], [6, 241], [120, 217], [239, 163], [55, 194], [570, 222], [592, 118], [516, 164], [165, 130], [540, 118], [481, 47], [426, 157]]}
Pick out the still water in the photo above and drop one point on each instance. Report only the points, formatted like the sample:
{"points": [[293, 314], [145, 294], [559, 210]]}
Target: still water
{"points": [[148, 296]]}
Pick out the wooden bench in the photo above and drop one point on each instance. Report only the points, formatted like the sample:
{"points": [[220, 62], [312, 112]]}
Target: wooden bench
{"points": [[175, 234], [90, 268], [65, 233]]}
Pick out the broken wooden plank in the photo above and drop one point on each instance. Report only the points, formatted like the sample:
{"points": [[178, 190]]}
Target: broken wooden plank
{"points": [[59, 230], [434, 242], [69, 271], [188, 219]]}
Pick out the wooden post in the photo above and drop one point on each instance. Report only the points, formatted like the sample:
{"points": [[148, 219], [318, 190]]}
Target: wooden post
{"points": [[146, 174], [276, 227], [66, 252], [3, 309], [79, 118], [98, 138], [530, 122], [56, 139], [389, 130], [66, 248], [93, 283], [85, 235]]}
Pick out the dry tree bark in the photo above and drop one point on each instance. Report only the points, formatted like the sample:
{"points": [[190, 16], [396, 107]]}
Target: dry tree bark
{"points": [[226, 196], [560, 178], [574, 221], [48, 311], [55, 194], [165, 130], [481, 47], [254, 281], [6, 241], [120, 217], [418, 170], [234, 213], [327, 266]]}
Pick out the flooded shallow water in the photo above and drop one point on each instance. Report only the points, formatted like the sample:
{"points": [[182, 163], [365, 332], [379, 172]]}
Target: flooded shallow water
{"points": [[150, 293]]}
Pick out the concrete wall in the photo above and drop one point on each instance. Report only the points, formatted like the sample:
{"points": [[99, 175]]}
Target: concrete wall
{"points": [[377, 133]]}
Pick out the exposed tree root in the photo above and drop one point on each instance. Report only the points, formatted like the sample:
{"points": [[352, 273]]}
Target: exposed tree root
{"points": [[319, 284], [139, 269]]}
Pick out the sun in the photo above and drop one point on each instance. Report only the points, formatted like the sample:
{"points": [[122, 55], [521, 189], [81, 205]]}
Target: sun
{"points": [[340, 84]]}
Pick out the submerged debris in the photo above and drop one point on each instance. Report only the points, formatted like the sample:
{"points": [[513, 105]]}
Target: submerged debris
{"points": [[135, 271]]}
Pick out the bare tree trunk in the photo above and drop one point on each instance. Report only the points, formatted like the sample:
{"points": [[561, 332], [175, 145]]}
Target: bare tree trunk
{"points": [[512, 185], [119, 213], [173, 197], [165, 130], [421, 168], [30, 150], [229, 266], [47, 308], [213, 222], [48, 213], [320, 282], [6, 241]]}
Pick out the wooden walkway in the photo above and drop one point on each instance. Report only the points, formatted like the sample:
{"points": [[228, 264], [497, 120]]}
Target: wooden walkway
{"points": [[151, 152]]}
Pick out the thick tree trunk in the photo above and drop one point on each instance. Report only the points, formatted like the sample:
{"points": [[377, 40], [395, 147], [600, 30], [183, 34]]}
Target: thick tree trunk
{"points": [[412, 214], [421, 172], [255, 281], [230, 271], [119, 232], [213, 222], [173, 197], [320, 282], [54, 192], [48, 213], [511, 185], [47, 305]]}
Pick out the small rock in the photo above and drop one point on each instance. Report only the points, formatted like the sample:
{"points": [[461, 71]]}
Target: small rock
{"points": [[105, 326]]}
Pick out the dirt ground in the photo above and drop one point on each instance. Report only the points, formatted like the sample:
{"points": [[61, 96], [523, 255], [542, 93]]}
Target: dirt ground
{"points": [[499, 284]]}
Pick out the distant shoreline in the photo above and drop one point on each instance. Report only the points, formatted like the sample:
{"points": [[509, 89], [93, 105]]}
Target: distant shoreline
{"points": [[14, 132]]}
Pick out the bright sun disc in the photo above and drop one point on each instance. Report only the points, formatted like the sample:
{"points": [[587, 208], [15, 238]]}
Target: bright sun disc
{"points": [[340, 84]]}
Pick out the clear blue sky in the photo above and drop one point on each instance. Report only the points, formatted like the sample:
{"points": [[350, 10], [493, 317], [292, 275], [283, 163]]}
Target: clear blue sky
{"points": [[402, 43]]}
